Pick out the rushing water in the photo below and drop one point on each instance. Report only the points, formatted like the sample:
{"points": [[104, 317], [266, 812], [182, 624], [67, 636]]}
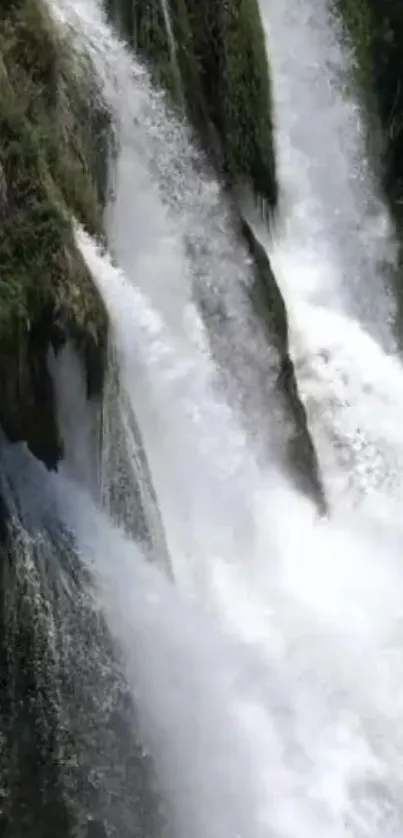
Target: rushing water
{"points": [[263, 651], [333, 254], [331, 214]]}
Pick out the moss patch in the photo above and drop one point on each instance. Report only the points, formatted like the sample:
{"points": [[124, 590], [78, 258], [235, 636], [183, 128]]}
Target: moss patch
{"points": [[220, 55], [52, 164]]}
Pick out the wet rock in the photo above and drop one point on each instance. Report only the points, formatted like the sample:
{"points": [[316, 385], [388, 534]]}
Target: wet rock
{"points": [[216, 68], [70, 760], [270, 308]]}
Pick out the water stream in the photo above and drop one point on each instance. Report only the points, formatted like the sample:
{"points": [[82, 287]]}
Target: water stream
{"points": [[263, 647]]}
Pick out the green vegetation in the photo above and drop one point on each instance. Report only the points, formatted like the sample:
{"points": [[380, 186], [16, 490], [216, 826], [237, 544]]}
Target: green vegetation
{"points": [[52, 164]]}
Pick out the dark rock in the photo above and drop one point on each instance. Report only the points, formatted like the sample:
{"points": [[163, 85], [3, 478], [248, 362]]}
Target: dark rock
{"points": [[270, 308], [374, 28], [216, 70], [70, 760]]}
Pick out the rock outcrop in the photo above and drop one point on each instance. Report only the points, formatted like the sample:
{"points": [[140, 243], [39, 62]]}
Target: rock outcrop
{"points": [[52, 164], [211, 56]]}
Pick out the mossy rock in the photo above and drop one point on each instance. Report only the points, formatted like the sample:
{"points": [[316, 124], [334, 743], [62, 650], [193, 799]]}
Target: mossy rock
{"points": [[230, 47], [216, 67], [53, 147]]}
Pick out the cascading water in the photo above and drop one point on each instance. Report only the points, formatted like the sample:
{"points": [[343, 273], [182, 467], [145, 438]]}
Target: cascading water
{"points": [[190, 249], [330, 213], [65, 704], [334, 253], [267, 676]]}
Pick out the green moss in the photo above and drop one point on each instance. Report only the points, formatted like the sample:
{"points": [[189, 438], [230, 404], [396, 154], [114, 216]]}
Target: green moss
{"points": [[43, 153], [224, 68], [359, 24], [53, 144], [220, 55], [246, 97]]}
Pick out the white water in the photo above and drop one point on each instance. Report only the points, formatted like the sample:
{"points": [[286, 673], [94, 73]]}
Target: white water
{"points": [[336, 237], [333, 254], [269, 678]]}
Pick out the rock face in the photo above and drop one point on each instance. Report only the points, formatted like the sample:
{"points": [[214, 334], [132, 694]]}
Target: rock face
{"points": [[52, 163], [211, 58], [267, 300], [71, 764]]}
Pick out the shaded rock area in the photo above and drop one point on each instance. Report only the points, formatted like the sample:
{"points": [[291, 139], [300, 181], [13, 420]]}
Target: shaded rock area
{"points": [[269, 305], [70, 759], [374, 29]]}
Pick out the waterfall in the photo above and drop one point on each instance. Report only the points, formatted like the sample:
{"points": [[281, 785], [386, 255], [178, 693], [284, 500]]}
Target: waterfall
{"points": [[190, 253], [252, 648], [309, 724], [334, 253], [337, 241]]}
